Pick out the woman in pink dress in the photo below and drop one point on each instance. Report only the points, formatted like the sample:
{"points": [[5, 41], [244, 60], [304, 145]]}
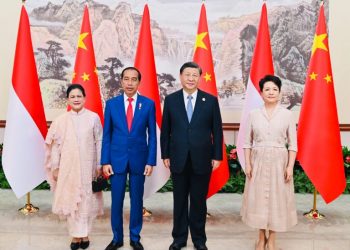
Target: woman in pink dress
{"points": [[73, 149], [270, 149]]}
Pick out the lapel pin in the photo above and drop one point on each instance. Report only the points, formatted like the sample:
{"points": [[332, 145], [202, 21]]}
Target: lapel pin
{"points": [[140, 105], [203, 99]]}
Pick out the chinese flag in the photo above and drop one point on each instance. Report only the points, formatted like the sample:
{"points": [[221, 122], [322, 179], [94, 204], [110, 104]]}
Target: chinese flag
{"points": [[85, 71], [26, 129], [318, 123], [203, 56], [262, 64], [144, 61]]}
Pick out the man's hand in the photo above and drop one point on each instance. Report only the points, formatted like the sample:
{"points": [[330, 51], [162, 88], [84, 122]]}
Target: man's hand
{"points": [[215, 164], [166, 162], [148, 170], [107, 170]]}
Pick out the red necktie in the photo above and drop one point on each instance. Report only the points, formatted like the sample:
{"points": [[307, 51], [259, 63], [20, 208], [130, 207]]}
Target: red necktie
{"points": [[129, 113]]}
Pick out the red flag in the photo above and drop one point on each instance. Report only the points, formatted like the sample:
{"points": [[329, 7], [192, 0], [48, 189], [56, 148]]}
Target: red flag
{"points": [[26, 129], [318, 121], [144, 61], [262, 64], [85, 71], [203, 56]]}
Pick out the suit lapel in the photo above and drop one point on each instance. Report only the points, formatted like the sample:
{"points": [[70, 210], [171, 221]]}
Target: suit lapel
{"points": [[182, 107], [137, 112], [275, 111], [200, 100], [120, 108]]}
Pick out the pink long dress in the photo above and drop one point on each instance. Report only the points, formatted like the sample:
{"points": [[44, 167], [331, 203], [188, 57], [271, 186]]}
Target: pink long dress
{"points": [[73, 148], [268, 202]]}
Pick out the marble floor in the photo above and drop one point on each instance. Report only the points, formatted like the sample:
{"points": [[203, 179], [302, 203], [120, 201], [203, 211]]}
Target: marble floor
{"points": [[225, 230]]}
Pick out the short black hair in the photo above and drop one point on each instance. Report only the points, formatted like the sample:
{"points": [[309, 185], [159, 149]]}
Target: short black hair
{"points": [[131, 68], [191, 65], [75, 86], [270, 78]]}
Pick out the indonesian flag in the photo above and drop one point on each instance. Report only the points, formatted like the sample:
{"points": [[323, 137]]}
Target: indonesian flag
{"points": [[144, 61], [203, 56], [85, 71], [24, 151], [318, 121], [261, 65]]}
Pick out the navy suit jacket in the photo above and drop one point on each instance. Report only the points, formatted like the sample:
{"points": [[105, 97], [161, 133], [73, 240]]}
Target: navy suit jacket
{"points": [[137, 147], [201, 138]]}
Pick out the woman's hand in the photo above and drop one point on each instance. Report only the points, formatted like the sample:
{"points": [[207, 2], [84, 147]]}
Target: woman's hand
{"points": [[288, 174], [55, 174], [98, 172], [248, 171]]}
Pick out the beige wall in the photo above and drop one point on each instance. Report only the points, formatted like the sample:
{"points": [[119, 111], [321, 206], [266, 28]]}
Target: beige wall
{"points": [[339, 47], [9, 18], [339, 42]]}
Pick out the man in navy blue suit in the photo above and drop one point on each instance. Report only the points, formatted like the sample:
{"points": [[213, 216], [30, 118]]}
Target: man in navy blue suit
{"points": [[191, 143], [129, 146]]}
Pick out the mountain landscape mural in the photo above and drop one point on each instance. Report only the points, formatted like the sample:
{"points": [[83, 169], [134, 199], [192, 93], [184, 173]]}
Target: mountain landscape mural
{"points": [[56, 27]]}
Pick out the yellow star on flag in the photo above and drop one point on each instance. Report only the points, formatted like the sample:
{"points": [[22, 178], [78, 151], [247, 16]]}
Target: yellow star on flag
{"points": [[318, 43], [73, 75], [328, 78], [313, 76], [207, 77], [199, 41], [81, 43], [85, 77], [96, 71]]}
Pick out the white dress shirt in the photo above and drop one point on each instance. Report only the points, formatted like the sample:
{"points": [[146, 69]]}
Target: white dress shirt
{"points": [[194, 97], [133, 103]]}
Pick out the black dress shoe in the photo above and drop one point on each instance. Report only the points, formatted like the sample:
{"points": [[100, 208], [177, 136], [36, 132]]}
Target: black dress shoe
{"points": [[84, 244], [74, 245], [136, 245], [201, 247], [114, 245], [177, 246]]}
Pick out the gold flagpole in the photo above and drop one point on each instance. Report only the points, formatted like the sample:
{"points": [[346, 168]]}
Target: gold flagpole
{"points": [[28, 207], [313, 213]]}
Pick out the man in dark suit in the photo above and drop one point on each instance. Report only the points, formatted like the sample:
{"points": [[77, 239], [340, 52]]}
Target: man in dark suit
{"points": [[191, 144], [128, 147]]}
